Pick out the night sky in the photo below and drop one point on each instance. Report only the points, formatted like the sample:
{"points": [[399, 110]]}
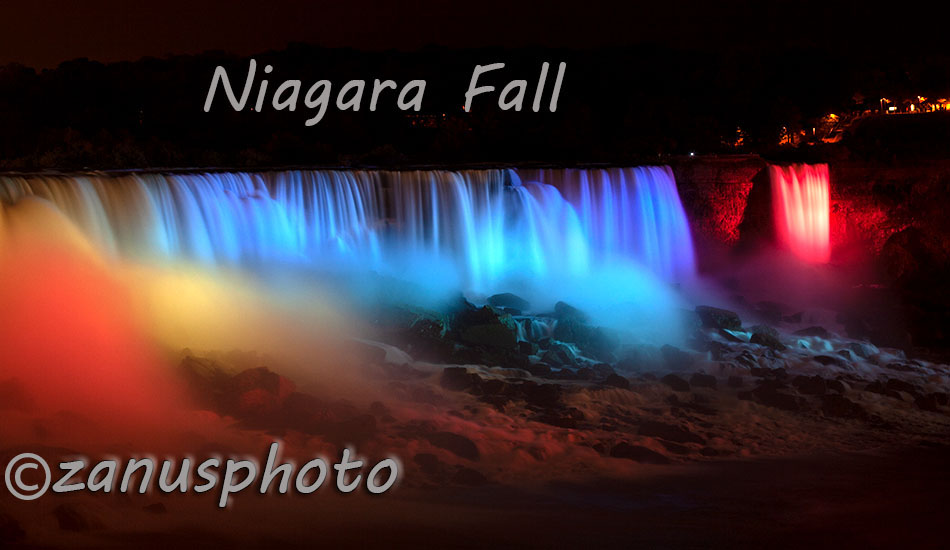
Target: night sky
{"points": [[43, 34]]}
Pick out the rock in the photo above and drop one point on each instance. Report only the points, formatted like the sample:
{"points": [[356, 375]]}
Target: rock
{"points": [[563, 311], [428, 463], [602, 370], [675, 382], [669, 432], [563, 418], [528, 348], [638, 453], [897, 385], [544, 395], [839, 386], [458, 379], [617, 381], [734, 382], [542, 370], [262, 379], [820, 332], [764, 329], [469, 476], [714, 317], [601, 344], [827, 360], [508, 299], [771, 394], [73, 517], [454, 443], [927, 402], [768, 340], [257, 392], [559, 354], [810, 385], [864, 350], [841, 407], [572, 330], [492, 335], [702, 380]]}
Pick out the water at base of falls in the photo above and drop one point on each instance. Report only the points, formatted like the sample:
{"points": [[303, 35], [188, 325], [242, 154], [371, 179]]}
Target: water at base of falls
{"points": [[476, 229], [801, 207]]}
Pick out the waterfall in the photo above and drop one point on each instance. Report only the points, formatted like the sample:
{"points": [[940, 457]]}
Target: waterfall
{"points": [[800, 200], [481, 227]]}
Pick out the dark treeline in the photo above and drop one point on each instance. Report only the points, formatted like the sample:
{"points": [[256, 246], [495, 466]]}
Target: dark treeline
{"points": [[634, 104]]}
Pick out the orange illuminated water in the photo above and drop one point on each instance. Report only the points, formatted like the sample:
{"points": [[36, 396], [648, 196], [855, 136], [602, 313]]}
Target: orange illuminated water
{"points": [[801, 204]]}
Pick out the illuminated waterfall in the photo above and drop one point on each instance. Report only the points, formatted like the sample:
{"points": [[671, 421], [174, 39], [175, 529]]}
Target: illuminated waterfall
{"points": [[482, 228], [800, 199]]}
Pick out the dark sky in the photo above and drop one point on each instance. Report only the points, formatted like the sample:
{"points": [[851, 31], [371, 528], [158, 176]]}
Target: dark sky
{"points": [[43, 34]]}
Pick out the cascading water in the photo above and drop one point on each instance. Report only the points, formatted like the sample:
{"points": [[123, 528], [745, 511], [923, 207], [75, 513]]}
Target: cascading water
{"points": [[482, 228], [801, 205]]}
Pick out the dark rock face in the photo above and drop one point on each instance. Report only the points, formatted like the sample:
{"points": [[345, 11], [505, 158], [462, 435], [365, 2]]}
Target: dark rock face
{"points": [[509, 300], [638, 453], [617, 381], [701, 380], [772, 393], [768, 340], [486, 327], [669, 432], [675, 382], [469, 477], [454, 443], [458, 379], [810, 385], [714, 317], [837, 406]]}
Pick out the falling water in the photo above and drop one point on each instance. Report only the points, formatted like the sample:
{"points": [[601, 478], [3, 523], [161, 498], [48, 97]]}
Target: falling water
{"points": [[800, 198], [481, 227]]}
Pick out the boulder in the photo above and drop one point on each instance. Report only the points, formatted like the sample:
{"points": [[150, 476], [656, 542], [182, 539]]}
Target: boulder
{"points": [[638, 453], [458, 379], [456, 444], [714, 317], [810, 385], [670, 432], [617, 381], [768, 339], [838, 406], [509, 300], [702, 380], [675, 382]]}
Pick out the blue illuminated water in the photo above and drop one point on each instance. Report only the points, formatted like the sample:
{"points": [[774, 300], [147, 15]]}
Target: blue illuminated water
{"points": [[479, 229]]}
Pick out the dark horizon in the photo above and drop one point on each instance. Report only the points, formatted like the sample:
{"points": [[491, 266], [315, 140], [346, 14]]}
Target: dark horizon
{"points": [[107, 31]]}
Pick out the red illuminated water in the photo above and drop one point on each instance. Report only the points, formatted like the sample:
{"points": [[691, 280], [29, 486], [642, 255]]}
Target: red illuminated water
{"points": [[800, 199]]}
